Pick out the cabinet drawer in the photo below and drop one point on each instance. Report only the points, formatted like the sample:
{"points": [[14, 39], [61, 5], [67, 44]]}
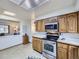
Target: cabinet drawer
{"points": [[61, 45]]}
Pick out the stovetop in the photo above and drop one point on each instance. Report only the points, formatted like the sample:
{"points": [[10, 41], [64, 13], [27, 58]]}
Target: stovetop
{"points": [[51, 37]]}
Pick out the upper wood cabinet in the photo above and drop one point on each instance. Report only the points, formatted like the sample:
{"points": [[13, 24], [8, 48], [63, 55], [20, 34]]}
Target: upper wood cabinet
{"points": [[62, 24], [72, 22], [51, 20], [68, 22], [40, 26]]}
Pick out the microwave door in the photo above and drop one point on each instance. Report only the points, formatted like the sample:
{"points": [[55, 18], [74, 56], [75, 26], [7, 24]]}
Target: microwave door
{"points": [[49, 27], [55, 26]]}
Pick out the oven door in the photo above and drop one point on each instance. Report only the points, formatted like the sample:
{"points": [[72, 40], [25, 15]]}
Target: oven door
{"points": [[50, 47]]}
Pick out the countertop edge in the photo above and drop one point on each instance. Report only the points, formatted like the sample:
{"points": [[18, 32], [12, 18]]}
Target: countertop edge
{"points": [[68, 43], [38, 37]]}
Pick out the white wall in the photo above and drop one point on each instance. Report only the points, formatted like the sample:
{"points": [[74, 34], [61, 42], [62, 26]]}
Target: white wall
{"points": [[24, 23], [4, 17], [11, 40], [77, 5], [57, 12]]}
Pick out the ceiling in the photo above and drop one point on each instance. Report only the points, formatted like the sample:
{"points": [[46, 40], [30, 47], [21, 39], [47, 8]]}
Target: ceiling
{"points": [[53, 5], [8, 6], [50, 6]]}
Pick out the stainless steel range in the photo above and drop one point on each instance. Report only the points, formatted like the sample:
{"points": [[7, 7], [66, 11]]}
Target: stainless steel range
{"points": [[49, 46]]}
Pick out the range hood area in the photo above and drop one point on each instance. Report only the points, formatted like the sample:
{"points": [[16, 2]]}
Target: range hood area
{"points": [[29, 4]]}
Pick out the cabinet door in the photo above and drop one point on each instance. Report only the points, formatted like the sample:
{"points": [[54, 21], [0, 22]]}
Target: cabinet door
{"points": [[73, 52], [39, 45], [62, 23], [78, 22], [51, 20], [40, 26], [34, 43], [72, 22], [78, 53], [36, 25], [62, 53]]}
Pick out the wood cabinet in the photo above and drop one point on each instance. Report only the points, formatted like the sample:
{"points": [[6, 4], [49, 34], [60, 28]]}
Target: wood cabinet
{"points": [[51, 20], [62, 24], [37, 44], [68, 22], [78, 22], [62, 51], [25, 39], [66, 51], [73, 52], [34, 40], [40, 26], [72, 22], [78, 53]]}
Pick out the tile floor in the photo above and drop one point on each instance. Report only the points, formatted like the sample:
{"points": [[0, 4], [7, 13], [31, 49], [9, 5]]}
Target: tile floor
{"points": [[19, 52]]}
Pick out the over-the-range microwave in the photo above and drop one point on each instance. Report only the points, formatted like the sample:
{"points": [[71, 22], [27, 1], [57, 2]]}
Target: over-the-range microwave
{"points": [[51, 27]]}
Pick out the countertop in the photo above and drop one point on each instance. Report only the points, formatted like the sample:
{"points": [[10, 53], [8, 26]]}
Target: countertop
{"points": [[39, 34], [74, 42], [69, 38]]}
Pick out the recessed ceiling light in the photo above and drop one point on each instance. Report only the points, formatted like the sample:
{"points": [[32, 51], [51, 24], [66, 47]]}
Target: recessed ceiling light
{"points": [[9, 13]]}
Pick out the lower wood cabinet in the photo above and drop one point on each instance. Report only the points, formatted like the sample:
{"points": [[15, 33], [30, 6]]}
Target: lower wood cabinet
{"points": [[37, 44], [25, 39], [62, 53], [78, 53], [73, 52], [69, 52]]}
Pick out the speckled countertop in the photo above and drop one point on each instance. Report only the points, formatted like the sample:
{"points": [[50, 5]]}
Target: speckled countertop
{"points": [[39, 34], [70, 41]]}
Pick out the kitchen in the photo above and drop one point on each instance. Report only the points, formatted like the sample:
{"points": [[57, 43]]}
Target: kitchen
{"points": [[51, 27], [58, 37]]}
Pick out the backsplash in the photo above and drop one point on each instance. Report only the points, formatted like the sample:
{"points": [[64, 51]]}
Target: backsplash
{"points": [[70, 35]]}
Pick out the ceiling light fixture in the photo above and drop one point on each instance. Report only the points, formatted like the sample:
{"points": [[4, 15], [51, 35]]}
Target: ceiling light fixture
{"points": [[9, 13]]}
